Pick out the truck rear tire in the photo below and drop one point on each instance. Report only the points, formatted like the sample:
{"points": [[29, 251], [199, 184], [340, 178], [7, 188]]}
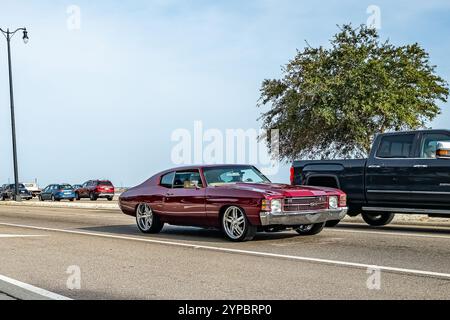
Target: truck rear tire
{"points": [[377, 219]]}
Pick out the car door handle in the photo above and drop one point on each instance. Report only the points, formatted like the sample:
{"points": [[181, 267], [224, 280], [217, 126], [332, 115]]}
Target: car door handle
{"points": [[169, 194], [374, 166], [420, 166]]}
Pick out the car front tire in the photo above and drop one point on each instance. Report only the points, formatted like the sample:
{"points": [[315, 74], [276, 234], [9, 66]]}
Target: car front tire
{"points": [[378, 219], [235, 225], [92, 197], [310, 229], [146, 220]]}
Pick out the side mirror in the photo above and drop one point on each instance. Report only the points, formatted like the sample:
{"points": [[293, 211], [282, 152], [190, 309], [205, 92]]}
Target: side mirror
{"points": [[443, 150]]}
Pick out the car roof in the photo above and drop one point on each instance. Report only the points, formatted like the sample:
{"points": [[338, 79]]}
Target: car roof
{"points": [[205, 166]]}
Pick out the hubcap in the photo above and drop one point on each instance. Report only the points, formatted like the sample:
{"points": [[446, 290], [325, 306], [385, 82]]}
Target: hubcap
{"points": [[144, 216], [234, 222]]}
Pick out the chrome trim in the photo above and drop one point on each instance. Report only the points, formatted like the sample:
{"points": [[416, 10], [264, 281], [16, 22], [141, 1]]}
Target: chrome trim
{"points": [[405, 210], [410, 192], [302, 217]]}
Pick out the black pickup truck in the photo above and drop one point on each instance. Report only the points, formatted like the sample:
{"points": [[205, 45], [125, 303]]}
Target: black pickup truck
{"points": [[406, 172]]}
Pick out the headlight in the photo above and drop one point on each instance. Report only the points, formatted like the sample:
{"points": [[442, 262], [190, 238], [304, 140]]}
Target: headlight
{"points": [[275, 206], [333, 202]]}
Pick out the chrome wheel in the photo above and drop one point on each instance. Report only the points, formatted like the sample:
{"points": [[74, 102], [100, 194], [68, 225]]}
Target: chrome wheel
{"points": [[144, 217], [234, 222]]}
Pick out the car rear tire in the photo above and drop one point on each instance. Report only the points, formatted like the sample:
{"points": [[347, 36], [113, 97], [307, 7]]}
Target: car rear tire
{"points": [[235, 225], [92, 197], [332, 223], [110, 198], [71, 200], [77, 196], [53, 198], [40, 198], [310, 229], [378, 219], [146, 220]]}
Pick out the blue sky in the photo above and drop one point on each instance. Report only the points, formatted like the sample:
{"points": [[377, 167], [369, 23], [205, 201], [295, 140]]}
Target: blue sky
{"points": [[102, 101]]}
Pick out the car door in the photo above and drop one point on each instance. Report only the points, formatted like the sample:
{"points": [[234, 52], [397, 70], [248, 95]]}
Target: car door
{"points": [[45, 193], [185, 202], [430, 176], [84, 189], [388, 171]]}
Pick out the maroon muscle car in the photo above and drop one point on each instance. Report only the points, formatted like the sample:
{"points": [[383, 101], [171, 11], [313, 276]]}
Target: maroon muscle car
{"points": [[238, 199]]}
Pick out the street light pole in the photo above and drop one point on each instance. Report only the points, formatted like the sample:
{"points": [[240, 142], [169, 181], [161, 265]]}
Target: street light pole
{"points": [[8, 35]]}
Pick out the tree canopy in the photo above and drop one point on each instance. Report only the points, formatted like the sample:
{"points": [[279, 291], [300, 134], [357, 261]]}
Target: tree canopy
{"points": [[331, 102]]}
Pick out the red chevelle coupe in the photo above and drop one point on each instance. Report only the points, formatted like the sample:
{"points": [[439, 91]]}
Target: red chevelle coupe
{"points": [[239, 199]]}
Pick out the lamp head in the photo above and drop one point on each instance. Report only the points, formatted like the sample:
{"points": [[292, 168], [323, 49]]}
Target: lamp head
{"points": [[25, 36]]}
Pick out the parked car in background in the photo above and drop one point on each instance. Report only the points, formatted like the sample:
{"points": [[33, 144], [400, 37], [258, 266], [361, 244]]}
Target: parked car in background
{"points": [[58, 192], [8, 192], [95, 189], [33, 188], [406, 172], [238, 199], [77, 186]]}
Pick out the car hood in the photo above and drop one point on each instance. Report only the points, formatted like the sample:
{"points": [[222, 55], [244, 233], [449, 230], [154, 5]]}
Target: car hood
{"points": [[284, 190]]}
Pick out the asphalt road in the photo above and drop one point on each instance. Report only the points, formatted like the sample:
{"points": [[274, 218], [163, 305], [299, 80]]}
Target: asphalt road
{"points": [[46, 247]]}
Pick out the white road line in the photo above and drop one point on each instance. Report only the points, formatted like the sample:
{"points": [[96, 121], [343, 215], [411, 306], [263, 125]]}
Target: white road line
{"points": [[247, 252], [33, 289], [390, 233], [19, 236]]}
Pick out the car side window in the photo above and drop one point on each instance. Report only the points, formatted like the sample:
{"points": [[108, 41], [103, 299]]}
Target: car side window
{"points": [[186, 179], [167, 180], [396, 146], [428, 145]]}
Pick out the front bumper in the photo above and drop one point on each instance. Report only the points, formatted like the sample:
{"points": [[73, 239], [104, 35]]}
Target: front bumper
{"points": [[302, 217]]}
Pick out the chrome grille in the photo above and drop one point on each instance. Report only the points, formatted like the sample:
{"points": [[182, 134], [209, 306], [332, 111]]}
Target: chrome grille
{"points": [[305, 203]]}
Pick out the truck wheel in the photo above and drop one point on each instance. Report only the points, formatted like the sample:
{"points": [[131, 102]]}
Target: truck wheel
{"points": [[310, 229], [377, 219], [332, 223]]}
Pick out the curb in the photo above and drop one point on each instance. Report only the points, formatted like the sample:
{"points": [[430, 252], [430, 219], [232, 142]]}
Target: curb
{"points": [[16, 290]]}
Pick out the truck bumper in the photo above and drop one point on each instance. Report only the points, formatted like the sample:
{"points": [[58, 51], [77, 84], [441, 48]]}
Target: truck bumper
{"points": [[302, 217]]}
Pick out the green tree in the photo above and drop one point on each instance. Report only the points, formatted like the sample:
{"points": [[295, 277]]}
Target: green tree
{"points": [[332, 102]]}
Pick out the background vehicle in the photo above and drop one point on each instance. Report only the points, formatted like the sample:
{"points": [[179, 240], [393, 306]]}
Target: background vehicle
{"points": [[8, 192], [406, 172], [237, 199], [33, 188], [77, 186], [94, 189], [57, 192]]}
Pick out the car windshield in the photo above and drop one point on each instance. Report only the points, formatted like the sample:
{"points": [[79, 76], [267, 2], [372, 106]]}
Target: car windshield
{"points": [[21, 186], [65, 187], [233, 174]]}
